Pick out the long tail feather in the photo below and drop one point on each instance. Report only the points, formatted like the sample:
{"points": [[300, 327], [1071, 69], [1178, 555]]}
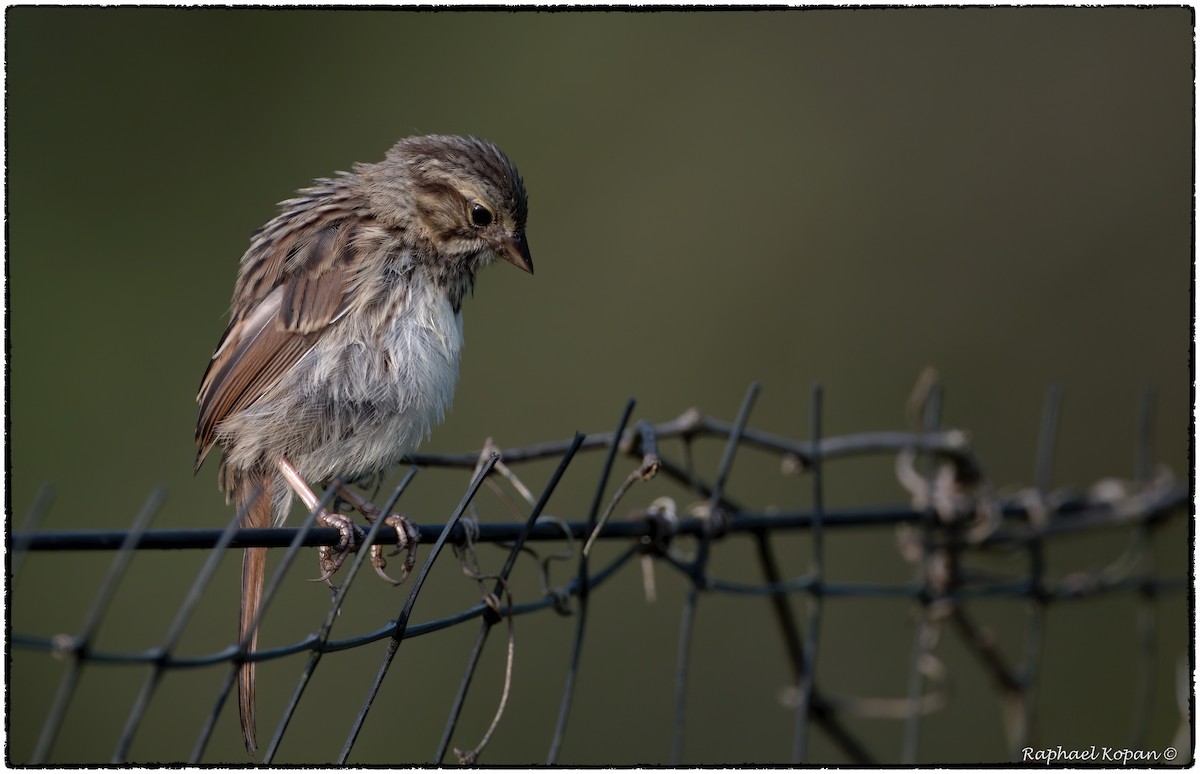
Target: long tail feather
{"points": [[254, 496]]}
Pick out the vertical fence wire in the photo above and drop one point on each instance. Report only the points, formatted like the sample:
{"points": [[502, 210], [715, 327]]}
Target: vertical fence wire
{"points": [[1036, 611], [564, 709], [808, 675], [402, 619], [19, 548], [698, 571], [142, 703], [83, 641], [489, 619]]}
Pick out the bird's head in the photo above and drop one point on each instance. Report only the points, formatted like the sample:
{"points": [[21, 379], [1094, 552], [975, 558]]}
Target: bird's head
{"points": [[461, 195]]}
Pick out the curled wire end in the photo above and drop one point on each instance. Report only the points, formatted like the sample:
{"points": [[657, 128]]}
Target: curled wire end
{"points": [[650, 466], [646, 471], [562, 600]]}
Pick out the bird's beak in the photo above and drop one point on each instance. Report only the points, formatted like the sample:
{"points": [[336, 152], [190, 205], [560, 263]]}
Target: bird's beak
{"points": [[515, 250]]}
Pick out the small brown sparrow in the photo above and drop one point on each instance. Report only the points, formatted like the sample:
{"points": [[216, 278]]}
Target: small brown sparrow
{"points": [[344, 334]]}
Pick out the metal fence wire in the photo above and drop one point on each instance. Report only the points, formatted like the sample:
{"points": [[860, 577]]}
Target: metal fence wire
{"points": [[954, 521]]}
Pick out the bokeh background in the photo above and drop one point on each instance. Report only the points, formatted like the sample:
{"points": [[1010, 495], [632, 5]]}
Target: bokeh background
{"points": [[837, 195]]}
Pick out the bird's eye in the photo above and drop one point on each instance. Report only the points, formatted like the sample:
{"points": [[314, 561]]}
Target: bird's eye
{"points": [[480, 215]]}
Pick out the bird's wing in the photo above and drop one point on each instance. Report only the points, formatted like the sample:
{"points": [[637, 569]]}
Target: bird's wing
{"points": [[305, 274]]}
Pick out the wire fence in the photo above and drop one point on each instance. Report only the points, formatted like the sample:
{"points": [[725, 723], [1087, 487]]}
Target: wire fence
{"points": [[954, 521]]}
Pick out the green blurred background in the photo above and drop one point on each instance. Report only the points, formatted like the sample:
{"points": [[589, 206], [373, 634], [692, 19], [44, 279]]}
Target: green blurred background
{"points": [[843, 196]]}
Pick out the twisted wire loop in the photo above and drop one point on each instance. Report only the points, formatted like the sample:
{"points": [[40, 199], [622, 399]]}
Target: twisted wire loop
{"points": [[664, 510]]}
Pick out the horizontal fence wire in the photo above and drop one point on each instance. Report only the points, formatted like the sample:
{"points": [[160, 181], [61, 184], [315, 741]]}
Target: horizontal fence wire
{"points": [[953, 516]]}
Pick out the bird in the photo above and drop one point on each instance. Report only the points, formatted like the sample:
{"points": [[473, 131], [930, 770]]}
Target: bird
{"points": [[345, 328]]}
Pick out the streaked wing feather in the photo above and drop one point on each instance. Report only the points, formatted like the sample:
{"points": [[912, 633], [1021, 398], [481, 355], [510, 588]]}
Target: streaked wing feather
{"points": [[259, 347], [313, 296]]}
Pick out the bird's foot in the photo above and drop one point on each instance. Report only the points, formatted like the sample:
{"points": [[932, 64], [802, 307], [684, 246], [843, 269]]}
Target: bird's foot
{"points": [[408, 536], [330, 558]]}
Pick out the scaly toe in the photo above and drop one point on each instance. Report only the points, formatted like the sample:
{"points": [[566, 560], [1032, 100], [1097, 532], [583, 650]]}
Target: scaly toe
{"points": [[407, 538], [330, 558]]}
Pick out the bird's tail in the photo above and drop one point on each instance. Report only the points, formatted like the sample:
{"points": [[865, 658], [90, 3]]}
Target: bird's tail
{"points": [[253, 497]]}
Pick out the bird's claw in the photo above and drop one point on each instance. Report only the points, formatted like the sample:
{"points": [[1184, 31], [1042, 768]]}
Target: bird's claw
{"points": [[407, 538], [330, 558]]}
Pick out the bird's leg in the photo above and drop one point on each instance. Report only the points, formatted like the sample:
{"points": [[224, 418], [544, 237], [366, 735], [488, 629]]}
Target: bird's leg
{"points": [[330, 558], [407, 534]]}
